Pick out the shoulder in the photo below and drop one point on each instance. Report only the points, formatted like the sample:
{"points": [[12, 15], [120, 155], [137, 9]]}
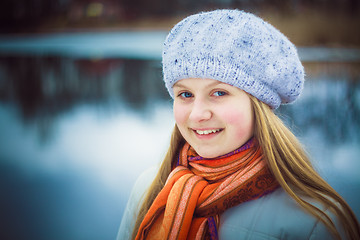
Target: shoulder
{"points": [[274, 216], [142, 183], [140, 187]]}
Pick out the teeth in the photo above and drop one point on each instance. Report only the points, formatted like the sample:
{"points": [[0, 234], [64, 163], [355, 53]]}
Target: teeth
{"points": [[207, 131]]}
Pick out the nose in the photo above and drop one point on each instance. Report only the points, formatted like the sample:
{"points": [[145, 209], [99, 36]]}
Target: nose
{"points": [[200, 111]]}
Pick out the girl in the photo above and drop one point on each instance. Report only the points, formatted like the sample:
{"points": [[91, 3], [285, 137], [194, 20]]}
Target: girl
{"points": [[233, 170]]}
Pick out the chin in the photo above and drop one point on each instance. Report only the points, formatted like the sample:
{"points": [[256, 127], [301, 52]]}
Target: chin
{"points": [[208, 154]]}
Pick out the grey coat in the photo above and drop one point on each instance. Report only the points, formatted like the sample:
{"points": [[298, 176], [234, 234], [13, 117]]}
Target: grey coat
{"points": [[274, 216]]}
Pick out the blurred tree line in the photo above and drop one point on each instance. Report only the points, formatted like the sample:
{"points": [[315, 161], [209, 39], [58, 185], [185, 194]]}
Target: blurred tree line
{"points": [[25, 15]]}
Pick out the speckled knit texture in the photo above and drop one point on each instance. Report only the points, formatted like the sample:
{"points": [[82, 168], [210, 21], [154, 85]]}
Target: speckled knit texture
{"points": [[236, 48]]}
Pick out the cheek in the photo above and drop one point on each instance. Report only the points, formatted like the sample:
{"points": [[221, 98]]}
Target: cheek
{"points": [[180, 114], [233, 116], [241, 121]]}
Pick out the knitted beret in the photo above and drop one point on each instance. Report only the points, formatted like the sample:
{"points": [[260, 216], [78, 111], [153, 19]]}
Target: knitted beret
{"points": [[236, 48]]}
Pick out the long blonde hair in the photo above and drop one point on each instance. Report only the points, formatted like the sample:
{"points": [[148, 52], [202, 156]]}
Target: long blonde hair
{"points": [[289, 164], [292, 169]]}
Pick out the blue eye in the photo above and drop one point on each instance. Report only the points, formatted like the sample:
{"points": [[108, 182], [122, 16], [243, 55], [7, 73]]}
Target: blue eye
{"points": [[185, 95], [219, 93]]}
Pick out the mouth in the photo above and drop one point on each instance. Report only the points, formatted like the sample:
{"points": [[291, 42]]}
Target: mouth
{"points": [[207, 132]]}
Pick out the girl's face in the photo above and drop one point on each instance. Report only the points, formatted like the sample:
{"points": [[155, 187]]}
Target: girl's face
{"points": [[213, 117]]}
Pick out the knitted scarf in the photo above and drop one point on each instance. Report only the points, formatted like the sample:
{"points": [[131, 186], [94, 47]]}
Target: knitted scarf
{"points": [[199, 189]]}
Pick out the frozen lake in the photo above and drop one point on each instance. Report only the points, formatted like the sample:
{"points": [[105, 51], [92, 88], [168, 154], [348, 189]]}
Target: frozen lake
{"points": [[83, 114]]}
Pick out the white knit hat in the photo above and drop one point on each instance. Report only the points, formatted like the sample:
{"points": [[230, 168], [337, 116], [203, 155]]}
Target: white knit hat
{"points": [[236, 48]]}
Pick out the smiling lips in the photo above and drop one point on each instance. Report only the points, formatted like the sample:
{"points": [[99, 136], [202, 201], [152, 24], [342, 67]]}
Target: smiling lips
{"points": [[207, 132]]}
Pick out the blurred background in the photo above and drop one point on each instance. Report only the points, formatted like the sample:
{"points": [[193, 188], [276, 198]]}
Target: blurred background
{"points": [[83, 110]]}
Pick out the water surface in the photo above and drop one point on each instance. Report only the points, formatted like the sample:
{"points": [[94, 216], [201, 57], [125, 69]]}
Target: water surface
{"points": [[82, 115]]}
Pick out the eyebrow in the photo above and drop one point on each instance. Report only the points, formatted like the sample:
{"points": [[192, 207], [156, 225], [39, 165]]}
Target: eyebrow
{"points": [[179, 85]]}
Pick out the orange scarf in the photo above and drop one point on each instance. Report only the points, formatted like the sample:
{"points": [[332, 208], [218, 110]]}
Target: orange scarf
{"points": [[199, 189]]}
